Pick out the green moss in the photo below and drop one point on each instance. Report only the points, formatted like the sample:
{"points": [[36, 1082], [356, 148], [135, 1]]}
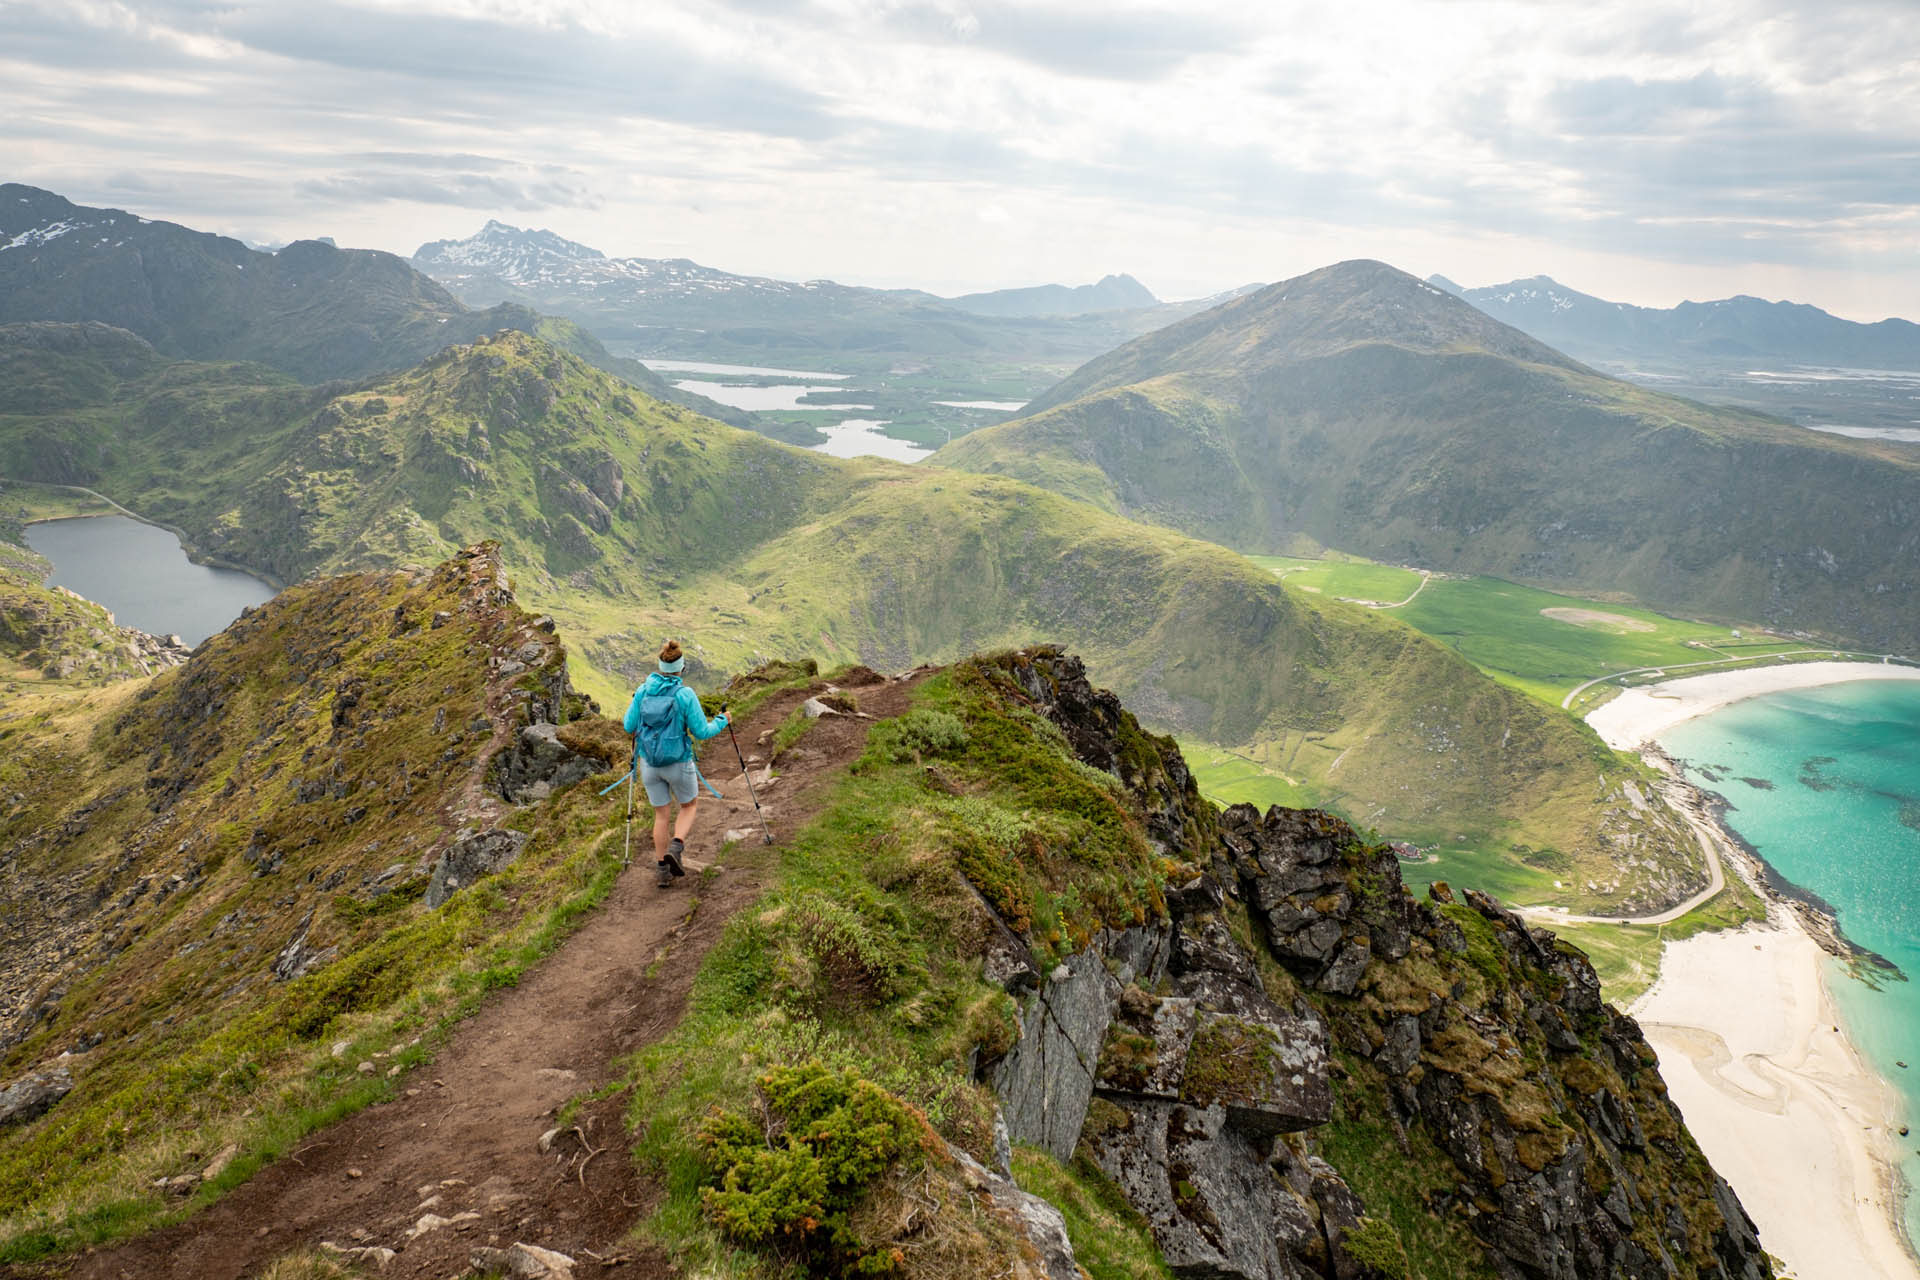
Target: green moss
{"points": [[1228, 1059], [1374, 1243]]}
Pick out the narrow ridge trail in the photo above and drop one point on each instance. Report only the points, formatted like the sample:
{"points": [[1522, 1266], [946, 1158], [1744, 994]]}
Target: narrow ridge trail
{"points": [[462, 1135]]}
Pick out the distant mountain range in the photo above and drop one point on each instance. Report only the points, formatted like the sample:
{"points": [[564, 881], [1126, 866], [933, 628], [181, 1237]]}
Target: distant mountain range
{"points": [[1386, 417], [309, 309], [677, 307], [1111, 293], [1739, 329]]}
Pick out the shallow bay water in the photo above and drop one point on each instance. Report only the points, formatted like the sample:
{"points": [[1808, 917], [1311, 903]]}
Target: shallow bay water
{"points": [[1825, 784]]}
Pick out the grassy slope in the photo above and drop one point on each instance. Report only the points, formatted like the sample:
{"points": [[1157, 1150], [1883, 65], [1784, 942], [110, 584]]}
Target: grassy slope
{"points": [[754, 550], [1360, 407], [161, 856]]}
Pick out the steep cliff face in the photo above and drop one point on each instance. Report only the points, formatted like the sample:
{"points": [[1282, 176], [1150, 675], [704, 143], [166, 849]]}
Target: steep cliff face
{"points": [[1303, 1071]]}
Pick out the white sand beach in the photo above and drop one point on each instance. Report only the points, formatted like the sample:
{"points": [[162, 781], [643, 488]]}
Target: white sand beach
{"points": [[1779, 1100], [1639, 715]]}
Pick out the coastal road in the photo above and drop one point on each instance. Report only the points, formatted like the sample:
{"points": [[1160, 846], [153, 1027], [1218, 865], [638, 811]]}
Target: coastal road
{"points": [[1677, 796]]}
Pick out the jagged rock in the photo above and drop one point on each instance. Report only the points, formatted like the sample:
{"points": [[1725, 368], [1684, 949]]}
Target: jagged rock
{"points": [[297, 959], [1271, 1076], [1046, 1079], [1203, 943], [1402, 1047], [539, 763], [33, 1095], [523, 1262], [1039, 1225], [1145, 1054], [1007, 960], [1565, 1157], [471, 857], [375, 1256], [1202, 1185]]}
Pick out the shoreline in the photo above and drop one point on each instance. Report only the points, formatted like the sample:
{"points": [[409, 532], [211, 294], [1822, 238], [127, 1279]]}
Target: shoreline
{"points": [[1749, 1034], [1639, 715], [1780, 1100]]}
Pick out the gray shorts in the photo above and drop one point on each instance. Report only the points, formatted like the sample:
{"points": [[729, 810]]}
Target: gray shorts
{"points": [[678, 781]]}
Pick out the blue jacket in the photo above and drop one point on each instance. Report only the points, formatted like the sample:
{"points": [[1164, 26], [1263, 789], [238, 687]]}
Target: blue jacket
{"points": [[690, 710]]}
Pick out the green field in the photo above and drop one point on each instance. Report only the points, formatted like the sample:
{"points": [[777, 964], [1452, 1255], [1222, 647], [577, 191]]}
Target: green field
{"points": [[1227, 779], [1505, 630], [1344, 578]]}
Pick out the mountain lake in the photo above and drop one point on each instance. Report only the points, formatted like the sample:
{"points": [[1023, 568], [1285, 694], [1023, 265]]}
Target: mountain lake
{"points": [[142, 575]]}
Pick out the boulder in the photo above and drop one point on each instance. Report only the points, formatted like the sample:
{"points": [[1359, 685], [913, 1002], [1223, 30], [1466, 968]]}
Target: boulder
{"points": [[1200, 1183], [471, 857], [1269, 1076], [1046, 1080], [33, 1095], [297, 958], [1048, 1254], [523, 1262], [1145, 1054], [537, 763]]}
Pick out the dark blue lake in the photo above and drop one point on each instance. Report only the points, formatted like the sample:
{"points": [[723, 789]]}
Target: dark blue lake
{"points": [[143, 576]]}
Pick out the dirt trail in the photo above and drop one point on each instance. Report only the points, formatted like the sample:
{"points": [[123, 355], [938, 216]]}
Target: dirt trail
{"points": [[463, 1136]]}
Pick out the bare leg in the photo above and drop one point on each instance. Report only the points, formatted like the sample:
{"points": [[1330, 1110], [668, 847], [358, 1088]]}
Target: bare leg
{"points": [[661, 826], [684, 825]]}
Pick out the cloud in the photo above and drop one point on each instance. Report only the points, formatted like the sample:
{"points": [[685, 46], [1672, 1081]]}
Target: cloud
{"points": [[462, 190], [827, 133]]}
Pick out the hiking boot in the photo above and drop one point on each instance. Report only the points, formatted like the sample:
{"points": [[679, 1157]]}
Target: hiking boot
{"points": [[674, 851], [666, 876]]}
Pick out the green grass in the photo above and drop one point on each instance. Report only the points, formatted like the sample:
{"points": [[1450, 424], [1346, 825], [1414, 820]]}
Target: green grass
{"points": [[1344, 578], [1227, 778], [863, 953], [1110, 1239], [1503, 628]]}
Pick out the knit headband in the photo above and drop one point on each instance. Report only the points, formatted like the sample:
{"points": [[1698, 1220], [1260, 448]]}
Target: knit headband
{"points": [[673, 668]]}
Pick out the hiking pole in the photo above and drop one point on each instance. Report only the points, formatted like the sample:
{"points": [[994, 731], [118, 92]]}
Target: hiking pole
{"points": [[626, 852], [738, 755]]}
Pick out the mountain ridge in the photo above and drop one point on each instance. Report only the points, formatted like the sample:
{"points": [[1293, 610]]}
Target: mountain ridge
{"points": [[1741, 327], [1382, 416], [309, 309], [624, 517]]}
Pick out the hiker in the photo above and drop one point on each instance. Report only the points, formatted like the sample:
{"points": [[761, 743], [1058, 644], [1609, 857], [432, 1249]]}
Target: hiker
{"points": [[664, 712]]}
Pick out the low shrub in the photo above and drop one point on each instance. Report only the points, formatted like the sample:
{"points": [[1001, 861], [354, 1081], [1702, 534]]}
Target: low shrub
{"points": [[788, 1179]]}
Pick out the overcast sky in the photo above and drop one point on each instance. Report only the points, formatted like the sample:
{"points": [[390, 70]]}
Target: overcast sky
{"points": [[1639, 150]]}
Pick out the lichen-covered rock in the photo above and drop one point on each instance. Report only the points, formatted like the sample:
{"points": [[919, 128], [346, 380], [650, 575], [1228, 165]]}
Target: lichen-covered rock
{"points": [[538, 763], [470, 857], [1145, 1053], [1202, 1185], [33, 1095], [1270, 1075]]}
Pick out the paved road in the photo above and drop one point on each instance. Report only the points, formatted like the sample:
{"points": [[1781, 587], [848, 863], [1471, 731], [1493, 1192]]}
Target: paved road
{"points": [[1703, 830]]}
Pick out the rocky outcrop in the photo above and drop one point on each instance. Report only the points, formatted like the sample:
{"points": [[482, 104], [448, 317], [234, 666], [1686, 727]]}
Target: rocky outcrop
{"points": [[1211, 1081], [471, 856], [33, 1095]]}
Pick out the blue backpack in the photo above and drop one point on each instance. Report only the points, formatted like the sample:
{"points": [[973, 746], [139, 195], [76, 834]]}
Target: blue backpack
{"points": [[663, 729]]}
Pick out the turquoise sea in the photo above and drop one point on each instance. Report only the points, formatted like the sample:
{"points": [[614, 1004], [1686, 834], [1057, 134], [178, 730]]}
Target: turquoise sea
{"points": [[1825, 783]]}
